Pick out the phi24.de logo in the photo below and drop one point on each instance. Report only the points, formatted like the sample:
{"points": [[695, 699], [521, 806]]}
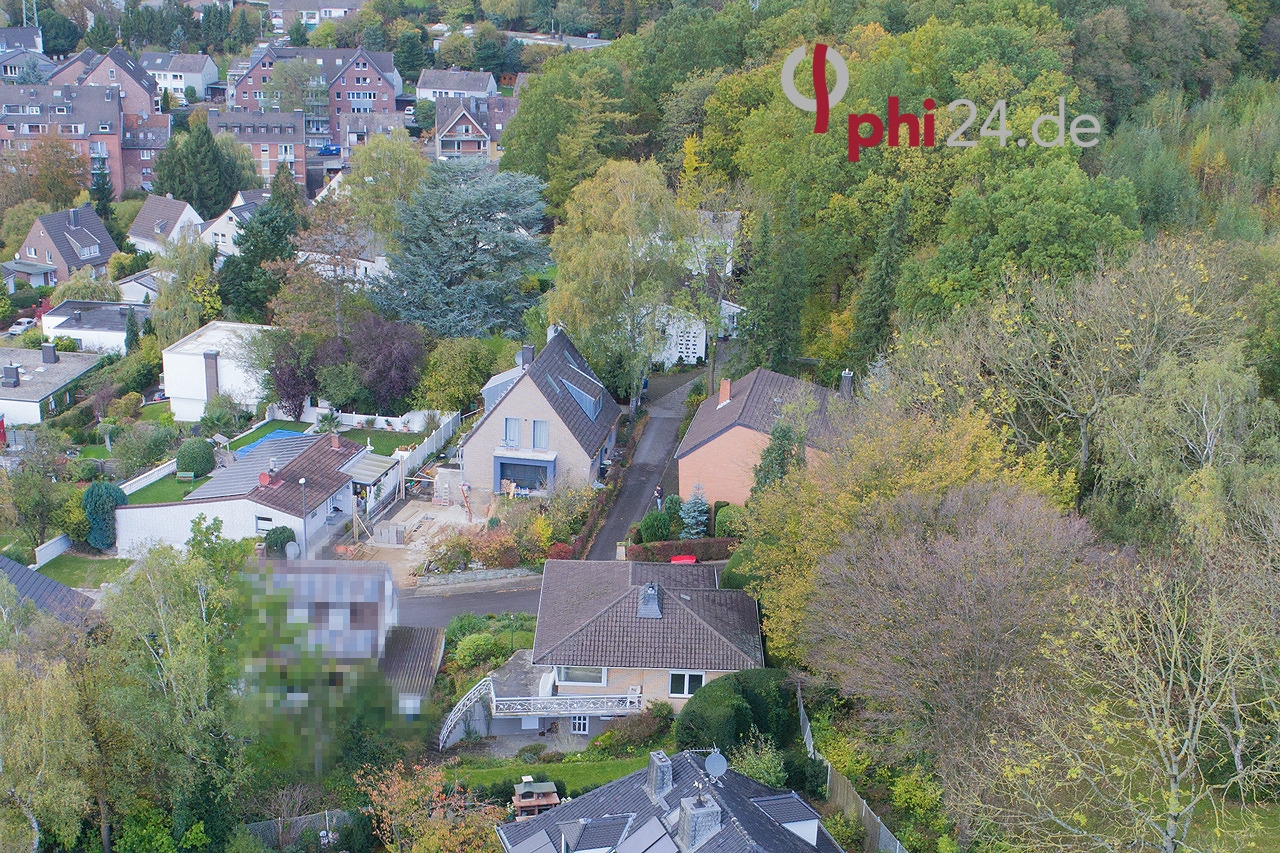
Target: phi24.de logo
{"points": [[869, 130]]}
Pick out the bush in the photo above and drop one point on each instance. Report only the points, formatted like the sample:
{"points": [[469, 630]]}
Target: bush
{"points": [[760, 759], [496, 548], [355, 837], [723, 711], [845, 830], [140, 369], [126, 408], [655, 527], [627, 735], [73, 521], [243, 841], [529, 752], [222, 414], [559, 551], [463, 625], [100, 502], [730, 522], [478, 649], [82, 470], [62, 343], [703, 549], [24, 299], [277, 537], [142, 446], [196, 455]]}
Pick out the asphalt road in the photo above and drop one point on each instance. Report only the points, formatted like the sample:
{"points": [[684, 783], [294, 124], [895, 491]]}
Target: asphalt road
{"points": [[657, 447], [435, 611]]}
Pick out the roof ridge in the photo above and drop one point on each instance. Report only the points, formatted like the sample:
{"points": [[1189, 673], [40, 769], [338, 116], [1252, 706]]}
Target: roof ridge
{"points": [[712, 629]]}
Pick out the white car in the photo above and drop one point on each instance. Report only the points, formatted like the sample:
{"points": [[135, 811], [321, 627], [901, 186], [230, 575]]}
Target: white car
{"points": [[21, 325]]}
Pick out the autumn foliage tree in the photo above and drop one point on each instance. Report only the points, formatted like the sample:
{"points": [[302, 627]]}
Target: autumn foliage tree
{"points": [[418, 810]]}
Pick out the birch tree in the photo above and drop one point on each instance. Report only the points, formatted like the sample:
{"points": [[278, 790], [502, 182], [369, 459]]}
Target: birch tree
{"points": [[621, 255]]}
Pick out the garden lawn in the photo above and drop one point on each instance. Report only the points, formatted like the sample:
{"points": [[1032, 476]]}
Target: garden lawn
{"points": [[77, 570], [95, 451], [574, 774], [384, 441], [268, 427], [153, 412], [166, 490]]}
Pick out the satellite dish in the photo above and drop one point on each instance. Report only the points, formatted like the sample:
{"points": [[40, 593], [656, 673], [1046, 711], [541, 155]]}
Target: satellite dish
{"points": [[264, 479], [291, 551], [716, 765]]}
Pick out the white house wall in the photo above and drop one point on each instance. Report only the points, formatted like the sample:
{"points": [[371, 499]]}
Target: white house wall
{"points": [[20, 412], [137, 525], [185, 386], [90, 340]]}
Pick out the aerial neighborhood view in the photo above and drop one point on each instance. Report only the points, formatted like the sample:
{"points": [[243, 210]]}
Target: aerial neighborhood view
{"points": [[640, 426]]}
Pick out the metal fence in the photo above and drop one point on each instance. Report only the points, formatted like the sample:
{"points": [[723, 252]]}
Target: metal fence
{"points": [[279, 834], [842, 795]]}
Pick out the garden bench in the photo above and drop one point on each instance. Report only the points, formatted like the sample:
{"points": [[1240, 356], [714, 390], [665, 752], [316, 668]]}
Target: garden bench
{"points": [[186, 476]]}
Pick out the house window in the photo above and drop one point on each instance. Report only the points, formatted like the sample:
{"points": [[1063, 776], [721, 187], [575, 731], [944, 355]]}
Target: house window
{"points": [[511, 432], [145, 154], [578, 724], [685, 683], [541, 430], [111, 74], [580, 675], [263, 524]]}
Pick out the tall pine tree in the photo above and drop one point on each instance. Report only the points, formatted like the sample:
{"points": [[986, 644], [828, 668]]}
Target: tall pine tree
{"points": [[195, 169], [875, 304], [773, 294]]}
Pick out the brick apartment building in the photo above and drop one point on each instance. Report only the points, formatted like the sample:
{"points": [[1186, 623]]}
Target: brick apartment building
{"points": [[89, 117], [138, 91], [272, 136], [358, 81]]}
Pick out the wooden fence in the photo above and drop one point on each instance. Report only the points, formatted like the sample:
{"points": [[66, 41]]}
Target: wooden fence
{"points": [[842, 795]]}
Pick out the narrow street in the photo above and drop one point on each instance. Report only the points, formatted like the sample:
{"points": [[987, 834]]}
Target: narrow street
{"points": [[657, 447]]}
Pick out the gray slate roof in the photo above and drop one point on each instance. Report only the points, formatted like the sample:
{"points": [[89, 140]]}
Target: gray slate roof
{"points": [[455, 80], [241, 477], [625, 816], [49, 596], [96, 316], [89, 59], [92, 106], [756, 401], [13, 38], [158, 218], [331, 60], [181, 63], [67, 228], [492, 114], [588, 616], [260, 126]]}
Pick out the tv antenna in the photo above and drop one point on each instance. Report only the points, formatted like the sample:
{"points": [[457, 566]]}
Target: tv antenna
{"points": [[30, 14]]}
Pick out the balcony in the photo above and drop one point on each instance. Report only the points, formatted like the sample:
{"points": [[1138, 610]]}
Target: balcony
{"points": [[560, 706]]}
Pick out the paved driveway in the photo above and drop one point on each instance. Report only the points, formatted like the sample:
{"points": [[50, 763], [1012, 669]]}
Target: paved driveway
{"points": [[657, 447]]}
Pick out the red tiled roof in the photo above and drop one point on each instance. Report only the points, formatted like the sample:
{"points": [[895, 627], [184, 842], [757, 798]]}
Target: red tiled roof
{"points": [[319, 464]]}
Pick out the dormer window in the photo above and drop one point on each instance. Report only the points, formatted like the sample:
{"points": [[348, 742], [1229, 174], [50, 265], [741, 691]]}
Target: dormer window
{"points": [[111, 74], [104, 128]]}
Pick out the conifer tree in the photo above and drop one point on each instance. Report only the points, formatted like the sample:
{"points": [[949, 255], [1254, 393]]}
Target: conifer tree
{"points": [[872, 329], [694, 514]]}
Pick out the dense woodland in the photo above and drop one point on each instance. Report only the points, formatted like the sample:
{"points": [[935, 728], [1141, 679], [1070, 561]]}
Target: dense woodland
{"points": [[1027, 572]]}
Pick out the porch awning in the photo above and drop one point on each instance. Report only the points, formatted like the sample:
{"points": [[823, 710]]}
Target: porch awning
{"points": [[368, 468], [526, 455]]}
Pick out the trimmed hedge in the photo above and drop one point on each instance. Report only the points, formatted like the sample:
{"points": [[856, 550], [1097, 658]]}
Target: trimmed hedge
{"points": [[662, 552], [722, 711], [730, 520]]}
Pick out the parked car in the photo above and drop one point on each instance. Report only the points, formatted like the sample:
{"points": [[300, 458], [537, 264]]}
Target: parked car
{"points": [[408, 111], [331, 151], [21, 325]]}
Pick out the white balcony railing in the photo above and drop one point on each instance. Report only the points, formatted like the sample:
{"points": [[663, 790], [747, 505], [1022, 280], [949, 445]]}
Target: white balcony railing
{"points": [[555, 706]]}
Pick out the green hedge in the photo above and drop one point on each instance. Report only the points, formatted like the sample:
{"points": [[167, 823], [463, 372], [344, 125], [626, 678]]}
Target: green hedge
{"points": [[723, 710], [662, 552]]}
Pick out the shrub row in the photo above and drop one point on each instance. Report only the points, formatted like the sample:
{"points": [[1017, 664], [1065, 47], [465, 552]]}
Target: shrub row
{"points": [[662, 552]]}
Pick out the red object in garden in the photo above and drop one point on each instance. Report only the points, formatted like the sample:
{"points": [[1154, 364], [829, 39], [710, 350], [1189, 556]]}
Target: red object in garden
{"points": [[684, 558], [4, 434]]}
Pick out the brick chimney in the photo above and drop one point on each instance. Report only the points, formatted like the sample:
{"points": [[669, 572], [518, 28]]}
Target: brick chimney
{"points": [[725, 385], [659, 778], [699, 820], [846, 384]]}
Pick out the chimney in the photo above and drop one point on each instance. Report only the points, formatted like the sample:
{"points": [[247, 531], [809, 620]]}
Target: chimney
{"points": [[168, 195], [271, 466], [76, 316], [526, 356], [48, 353], [10, 379], [846, 383], [699, 820], [659, 781], [210, 373], [725, 385], [73, 217], [333, 440], [649, 607], [124, 310], [552, 331]]}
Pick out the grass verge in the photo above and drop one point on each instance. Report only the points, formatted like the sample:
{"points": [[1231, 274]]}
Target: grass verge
{"points": [[574, 774], [166, 490], [77, 570]]}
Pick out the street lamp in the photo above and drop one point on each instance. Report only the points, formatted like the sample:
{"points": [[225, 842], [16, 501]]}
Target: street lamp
{"points": [[302, 481]]}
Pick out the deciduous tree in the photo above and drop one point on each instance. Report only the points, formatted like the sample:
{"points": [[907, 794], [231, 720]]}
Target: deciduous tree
{"points": [[58, 171], [419, 810]]}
